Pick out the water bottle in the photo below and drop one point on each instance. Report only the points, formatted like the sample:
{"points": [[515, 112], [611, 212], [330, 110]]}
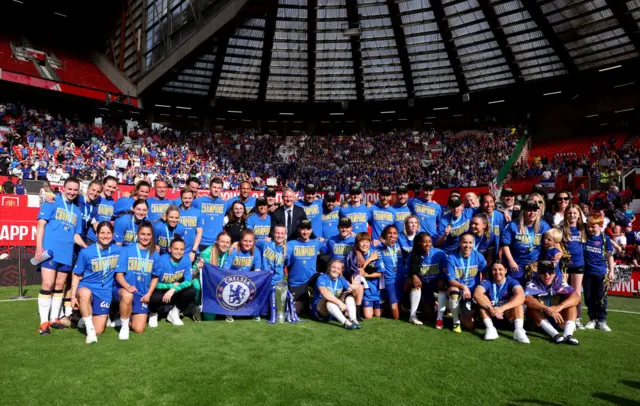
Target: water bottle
{"points": [[281, 301], [45, 257]]}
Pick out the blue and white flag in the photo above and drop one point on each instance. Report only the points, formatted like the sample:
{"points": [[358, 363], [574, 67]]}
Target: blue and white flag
{"points": [[235, 293]]}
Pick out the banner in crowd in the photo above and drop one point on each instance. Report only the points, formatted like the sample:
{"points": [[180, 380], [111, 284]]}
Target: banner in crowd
{"points": [[627, 282], [235, 293], [18, 226]]}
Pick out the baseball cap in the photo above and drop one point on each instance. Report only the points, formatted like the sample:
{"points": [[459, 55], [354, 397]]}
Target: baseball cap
{"points": [[344, 222], [428, 186], [385, 191], [508, 192], [261, 202], [304, 224], [530, 205], [270, 192], [355, 190], [330, 197], [454, 202], [310, 188], [402, 189]]}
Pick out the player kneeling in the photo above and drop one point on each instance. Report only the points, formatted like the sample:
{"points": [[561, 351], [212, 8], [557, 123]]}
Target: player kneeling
{"points": [[332, 297], [549, 298], [93, 281], [501, 297], [174, 288]]}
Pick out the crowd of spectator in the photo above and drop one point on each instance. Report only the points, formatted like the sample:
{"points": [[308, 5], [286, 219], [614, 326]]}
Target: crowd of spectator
{"points": [[37, 145]]}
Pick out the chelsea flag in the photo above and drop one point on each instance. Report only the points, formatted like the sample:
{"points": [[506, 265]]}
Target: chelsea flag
{"points": [[235, 293]]}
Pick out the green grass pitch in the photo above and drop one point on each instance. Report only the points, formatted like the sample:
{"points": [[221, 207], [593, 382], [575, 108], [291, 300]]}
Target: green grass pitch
{"points": [[246, 363]]}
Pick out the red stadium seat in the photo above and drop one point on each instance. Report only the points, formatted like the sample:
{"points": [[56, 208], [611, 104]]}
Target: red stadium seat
{"points": [[9, 63], [83, 72]]}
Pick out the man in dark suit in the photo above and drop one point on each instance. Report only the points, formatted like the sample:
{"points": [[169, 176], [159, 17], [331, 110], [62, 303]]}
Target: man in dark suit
{"points": [[289, 215]]}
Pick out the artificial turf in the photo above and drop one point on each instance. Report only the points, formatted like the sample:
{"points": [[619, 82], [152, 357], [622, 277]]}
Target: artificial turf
{"points": [[244, 363]]}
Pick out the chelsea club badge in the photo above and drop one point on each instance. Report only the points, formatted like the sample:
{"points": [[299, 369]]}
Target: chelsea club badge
{"points": [[235, 292]]}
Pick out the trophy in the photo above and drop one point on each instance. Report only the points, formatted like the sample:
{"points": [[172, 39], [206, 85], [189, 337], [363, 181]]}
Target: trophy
{"points": [[281, 301]]}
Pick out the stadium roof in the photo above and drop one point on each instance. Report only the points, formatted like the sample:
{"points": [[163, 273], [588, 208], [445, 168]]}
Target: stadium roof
{"points": [[369, 50]]}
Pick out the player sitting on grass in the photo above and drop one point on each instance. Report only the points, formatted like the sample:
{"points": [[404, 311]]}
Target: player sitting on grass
{"points": [[550, 301], [332, 297], [500, 297]]}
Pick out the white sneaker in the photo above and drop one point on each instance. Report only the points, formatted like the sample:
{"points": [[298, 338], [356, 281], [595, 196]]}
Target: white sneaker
{"points": [[257, 318], [81, 323], [91, 339], [229, 319], [579, 324], [521, 336], [491, 334], [153, 320], [414, 320], [590, 325], [602, 326], [124, 333], [174, 317]]}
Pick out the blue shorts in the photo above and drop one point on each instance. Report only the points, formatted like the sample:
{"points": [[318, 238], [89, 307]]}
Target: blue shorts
{"points": [[56, 266], [371, 303], [389, 294], [99, 307], [316, 315], [372, 294]]}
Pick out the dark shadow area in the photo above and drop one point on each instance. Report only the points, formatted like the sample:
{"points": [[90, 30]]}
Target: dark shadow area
{"points": [[616, 400], [533, 402], [633, 384]]}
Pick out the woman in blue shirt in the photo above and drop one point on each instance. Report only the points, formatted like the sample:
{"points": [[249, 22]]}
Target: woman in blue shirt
{"points": [[360, 264], [134, 283], [92, 284], [484, 241], [521, 241], [392, 265], [87, 204], [575, 238], [20, 187], [332, 297], [126, 227], [191, 219], [273, 253], [301, 256], [174, 289], [465, 269], [167, 228], [409, 231]]}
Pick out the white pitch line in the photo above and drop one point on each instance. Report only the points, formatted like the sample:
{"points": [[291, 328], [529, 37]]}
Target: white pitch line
{"points": [[18, 300], [622, 311]]}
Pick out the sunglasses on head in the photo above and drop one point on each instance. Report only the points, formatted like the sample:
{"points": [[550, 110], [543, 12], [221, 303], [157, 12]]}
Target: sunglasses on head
{"points": [[563, 198]]}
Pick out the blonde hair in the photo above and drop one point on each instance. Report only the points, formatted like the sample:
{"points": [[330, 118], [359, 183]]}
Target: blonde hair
{"points": [[555, 234], [580, 224], [542, 205], [406, 224], [170, 209], [521, 226], [485, 220]]}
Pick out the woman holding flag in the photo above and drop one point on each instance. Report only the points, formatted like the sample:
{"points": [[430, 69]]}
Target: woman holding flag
{"points": [[92, 284]]}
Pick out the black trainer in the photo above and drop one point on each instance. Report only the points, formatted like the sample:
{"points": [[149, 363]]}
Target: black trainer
{"points": [[571, 340]]}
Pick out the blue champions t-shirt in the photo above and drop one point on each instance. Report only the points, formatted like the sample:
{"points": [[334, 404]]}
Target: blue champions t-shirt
{"points": [[164, 234], [405, 243], [391, 262], [433, 265], [336, 287], [575, 247], [466, 270], [167, 272], [359, 216], [496, 223], [103, 212], [213, 212], [595, 254], [380, 218], [402, 212], [459, 226], [428, 213], [483, 244], [313, 211], [125, 229], [272, 259], [245, 261], [525, 248], [64, 220], [97, 268], [260, 226], [123, 205], [338, 247], [157, 207], [87, 209], [137, 266], [190, 218], [499, 294], [301, 260], [330, 223]]}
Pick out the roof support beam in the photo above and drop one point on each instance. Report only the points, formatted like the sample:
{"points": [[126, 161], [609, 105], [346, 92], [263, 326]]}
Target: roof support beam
{"points": [[267, 48], [626, 21], [501, 39], [356, 54], [312, 16], [221, 53], [547, 31], [401, 44], [445, 31]]}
